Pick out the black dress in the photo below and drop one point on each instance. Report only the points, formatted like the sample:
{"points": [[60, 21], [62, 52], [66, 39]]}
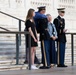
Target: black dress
{"points": [[32, 25]]}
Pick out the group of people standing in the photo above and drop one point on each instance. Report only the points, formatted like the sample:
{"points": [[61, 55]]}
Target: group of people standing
{"points": [[38, 22]]}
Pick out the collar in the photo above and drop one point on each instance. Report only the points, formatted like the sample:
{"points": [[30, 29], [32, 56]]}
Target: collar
{"points": [[50, 23]]}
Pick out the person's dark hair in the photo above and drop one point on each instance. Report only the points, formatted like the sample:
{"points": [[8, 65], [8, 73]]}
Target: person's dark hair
{"points": [[30, 14]]}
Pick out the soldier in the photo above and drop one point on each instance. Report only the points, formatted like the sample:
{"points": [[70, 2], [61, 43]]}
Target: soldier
{"points": [[61, 41], [41, 25]]}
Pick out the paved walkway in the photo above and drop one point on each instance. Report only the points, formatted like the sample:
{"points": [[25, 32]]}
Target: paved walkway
{"points": [[52, 71]]}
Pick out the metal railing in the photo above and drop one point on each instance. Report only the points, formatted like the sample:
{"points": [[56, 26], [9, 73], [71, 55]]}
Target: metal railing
{"points": [[18, 37], [4, 29], [72, 47], [27, 33], [17, 44], [19, 21]]}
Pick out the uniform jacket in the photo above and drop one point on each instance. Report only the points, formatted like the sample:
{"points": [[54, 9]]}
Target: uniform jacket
{"points": [[41, 25], [60, 26]]}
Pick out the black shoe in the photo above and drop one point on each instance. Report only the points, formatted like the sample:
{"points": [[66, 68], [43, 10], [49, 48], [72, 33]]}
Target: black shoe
{"points": [[45, 67], [62, 65]]}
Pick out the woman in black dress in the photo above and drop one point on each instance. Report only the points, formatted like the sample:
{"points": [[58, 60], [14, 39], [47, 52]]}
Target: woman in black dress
{"points": [[30, 26]]}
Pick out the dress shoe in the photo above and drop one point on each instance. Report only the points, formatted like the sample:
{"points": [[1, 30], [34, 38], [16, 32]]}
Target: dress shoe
{"points": [[62, 65], [45, 67]]}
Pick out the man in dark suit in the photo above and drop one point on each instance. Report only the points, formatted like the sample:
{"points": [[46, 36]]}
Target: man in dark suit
{"points": [[61, 41], [41, 25]]}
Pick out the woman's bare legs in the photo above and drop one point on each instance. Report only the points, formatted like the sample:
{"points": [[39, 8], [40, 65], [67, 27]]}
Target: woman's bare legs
{"points": [[32, 56]]}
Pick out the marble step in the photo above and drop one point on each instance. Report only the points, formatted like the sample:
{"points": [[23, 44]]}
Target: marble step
{"points": [[11, 62], [13, 67]]}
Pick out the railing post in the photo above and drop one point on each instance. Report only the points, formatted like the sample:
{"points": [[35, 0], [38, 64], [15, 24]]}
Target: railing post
{"points": [[19, 30], [17, 49], [29, 51], [72, 49]]}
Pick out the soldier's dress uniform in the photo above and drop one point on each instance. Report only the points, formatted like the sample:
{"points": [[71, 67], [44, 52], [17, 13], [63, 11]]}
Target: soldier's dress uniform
{"points": [[61, 41], [41, 24]]}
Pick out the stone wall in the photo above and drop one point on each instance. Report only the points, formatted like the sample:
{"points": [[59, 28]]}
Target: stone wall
{"points": [[19, 9]]}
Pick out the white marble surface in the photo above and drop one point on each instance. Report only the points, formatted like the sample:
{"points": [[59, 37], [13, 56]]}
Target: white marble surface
{"points": [[53, 71]]}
